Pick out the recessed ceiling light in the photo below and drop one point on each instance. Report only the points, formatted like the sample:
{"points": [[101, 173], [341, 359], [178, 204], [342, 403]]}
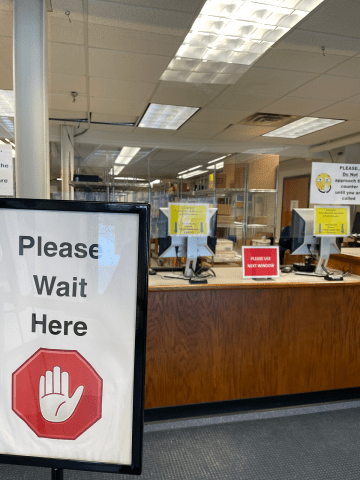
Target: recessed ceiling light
{"points": [[131, 178], [126, 155], [302, 127], [7, 103], [193, 174], [217, 166], [169, 117], [236, 32], [190, 169], [217, 159]]}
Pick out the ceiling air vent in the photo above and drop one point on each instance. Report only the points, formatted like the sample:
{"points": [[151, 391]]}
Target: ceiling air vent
{"points": [[268, 120]]}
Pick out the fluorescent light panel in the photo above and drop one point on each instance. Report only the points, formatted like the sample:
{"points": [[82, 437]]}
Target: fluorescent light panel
{"points": [[193, 174], [217, 166], [302, 127], [168, 117], [7, 101], [130, 178], [190, 169], [217, 159], [126, 155], [230, 35]]}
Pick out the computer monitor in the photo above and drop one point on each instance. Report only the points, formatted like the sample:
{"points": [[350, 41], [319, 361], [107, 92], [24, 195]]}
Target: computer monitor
{"points": [[190, 247], [356, 226], [305, 243]]}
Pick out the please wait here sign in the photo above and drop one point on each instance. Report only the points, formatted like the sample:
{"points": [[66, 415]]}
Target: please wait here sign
{"points": [[260, 262]]}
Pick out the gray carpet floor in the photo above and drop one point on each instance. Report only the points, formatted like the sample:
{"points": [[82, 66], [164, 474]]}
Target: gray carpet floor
{"points": [[313, 446]]}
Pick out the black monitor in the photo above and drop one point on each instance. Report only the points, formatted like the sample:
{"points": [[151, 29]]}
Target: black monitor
{"points": [[356, 226]]}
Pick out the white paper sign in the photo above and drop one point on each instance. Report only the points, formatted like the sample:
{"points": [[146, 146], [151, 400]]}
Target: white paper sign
{"points": [[335, 183], [68, 289], [6, 171]]}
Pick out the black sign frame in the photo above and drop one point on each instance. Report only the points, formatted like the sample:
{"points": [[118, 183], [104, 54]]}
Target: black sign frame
{"points": [[143, 212]]}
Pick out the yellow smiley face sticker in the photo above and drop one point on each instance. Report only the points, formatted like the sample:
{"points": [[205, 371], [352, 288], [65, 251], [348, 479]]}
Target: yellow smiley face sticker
{"points": [[323, 182]]}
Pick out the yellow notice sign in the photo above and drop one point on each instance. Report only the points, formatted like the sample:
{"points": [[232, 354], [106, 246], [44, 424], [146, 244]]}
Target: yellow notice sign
{"points": [[188, 219], [332, 221]]}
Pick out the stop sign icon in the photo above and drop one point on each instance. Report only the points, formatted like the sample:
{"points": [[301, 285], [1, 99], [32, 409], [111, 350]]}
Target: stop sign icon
{"points": [[57, 393]]}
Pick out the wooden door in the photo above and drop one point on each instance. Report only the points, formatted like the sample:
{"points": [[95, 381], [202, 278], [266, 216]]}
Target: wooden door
{"points": [[295, 195]]}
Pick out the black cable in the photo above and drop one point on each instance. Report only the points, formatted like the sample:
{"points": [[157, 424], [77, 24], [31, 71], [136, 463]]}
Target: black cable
{"points": [[81, 133]]}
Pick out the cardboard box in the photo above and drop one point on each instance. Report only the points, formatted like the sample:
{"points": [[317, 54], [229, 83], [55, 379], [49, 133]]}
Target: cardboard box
{"points": [[221, 232], [258, 220], [239, 177], [220, 180], [263, 172], [224, 246], [224, 209], [225, 219], [239, 205], [235, 175], [240, 218]]}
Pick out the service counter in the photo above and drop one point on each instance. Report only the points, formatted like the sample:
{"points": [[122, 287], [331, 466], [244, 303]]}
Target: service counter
{"points": [[235, 338]]}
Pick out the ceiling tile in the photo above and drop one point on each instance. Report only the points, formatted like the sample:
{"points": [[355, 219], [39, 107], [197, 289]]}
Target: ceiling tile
{"points": [[219, 116], [113, 128], [242, 102], [306, 41], [190, 6], [6, 5], [354, 99], [65, 102], [297, 106], [6, 23], [154, 131], [6, 79], [200, 130], [127, 40], [191, 95], [67, 58], [75, 7], [267, 81], [6, 52], [299, 61], [113, 107], [341, 110], [350, 68], [64, 114], [329, 87], [140, 18], [169, 155], [126, 66], [121, 91], [60, 82], [106, 118], [242, 132], [60, 30], [336, 18]]}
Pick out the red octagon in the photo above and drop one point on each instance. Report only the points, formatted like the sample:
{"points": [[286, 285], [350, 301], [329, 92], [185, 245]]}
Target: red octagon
{"points": [[25, 393]]}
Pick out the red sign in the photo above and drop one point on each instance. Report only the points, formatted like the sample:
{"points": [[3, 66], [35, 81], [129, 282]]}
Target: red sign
{"points": [[260, 262], [57, 393]]}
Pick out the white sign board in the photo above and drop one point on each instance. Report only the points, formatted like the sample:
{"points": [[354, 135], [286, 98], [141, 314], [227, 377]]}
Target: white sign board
{"points": [[68, 307], [335, 183], [6, 171]]}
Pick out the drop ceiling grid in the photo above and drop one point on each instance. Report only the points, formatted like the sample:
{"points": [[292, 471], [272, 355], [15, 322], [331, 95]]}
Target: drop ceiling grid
{"points": [[121, 91], [308, 41], [140, 18], [190, 6]]}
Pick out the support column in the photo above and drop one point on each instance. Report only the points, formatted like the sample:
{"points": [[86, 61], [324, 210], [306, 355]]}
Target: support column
{"points": [[67, 161], [31, 104]]}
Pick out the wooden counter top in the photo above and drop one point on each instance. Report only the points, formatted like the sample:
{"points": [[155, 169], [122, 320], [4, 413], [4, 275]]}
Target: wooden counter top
{"points": [[230, 278]]}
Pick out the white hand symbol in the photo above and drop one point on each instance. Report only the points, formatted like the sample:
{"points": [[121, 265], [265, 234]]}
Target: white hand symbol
{"points": [[55, 404]]}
